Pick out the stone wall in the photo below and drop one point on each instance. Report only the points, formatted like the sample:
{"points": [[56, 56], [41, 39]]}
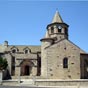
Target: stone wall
{"points": [[44, 58], [52, 60], [54, 82]]}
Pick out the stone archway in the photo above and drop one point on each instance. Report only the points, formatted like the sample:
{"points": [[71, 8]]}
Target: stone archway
{"points": [[26, 67]]}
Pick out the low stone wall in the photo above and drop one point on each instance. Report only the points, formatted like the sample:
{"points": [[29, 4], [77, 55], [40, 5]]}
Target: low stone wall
{"points": [[80, 83], [10, 82], [54, 82]]}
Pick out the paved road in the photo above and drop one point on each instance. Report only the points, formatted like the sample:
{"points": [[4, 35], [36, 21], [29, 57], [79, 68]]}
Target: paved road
{"points": [[31, 87], [41, 87], [25, 87], [15, 87], [34, 87]]}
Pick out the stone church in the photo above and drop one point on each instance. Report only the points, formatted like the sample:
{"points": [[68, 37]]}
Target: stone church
{"points": [[56, 58]]}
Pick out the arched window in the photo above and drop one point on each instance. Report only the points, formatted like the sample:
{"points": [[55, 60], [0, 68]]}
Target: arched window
{"points": [[26, 51], [13, 51], [52, 30], [65, 62], [66, 31]]}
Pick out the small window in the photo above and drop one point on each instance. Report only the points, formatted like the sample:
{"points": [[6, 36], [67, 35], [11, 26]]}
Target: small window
{"points": [[65, 63], [13, 51], [52, 30], [26, 51]]}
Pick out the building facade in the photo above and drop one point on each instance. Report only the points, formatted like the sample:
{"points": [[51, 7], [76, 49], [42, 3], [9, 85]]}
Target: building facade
{"points": [[56, 58]]}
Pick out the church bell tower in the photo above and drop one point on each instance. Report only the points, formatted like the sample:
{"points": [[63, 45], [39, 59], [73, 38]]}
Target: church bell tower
{"points": [[57, 29]]}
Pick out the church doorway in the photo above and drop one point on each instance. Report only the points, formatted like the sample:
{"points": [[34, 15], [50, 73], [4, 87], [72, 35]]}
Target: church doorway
{"points": [[27, 70], [26, 67]]}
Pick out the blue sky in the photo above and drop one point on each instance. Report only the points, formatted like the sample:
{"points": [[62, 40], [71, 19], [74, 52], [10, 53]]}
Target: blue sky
{"points": [[23, 22]]}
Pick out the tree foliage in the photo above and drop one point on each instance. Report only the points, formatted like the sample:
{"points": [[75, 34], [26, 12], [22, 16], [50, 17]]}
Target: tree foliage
{"points": [[3, 63]]}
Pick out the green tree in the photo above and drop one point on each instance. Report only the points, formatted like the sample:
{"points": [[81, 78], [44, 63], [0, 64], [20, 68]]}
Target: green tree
{"points": [[3, 63]]}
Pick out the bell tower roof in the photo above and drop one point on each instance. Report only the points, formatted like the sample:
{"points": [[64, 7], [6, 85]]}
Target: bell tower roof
{"points": [[57, 18]]}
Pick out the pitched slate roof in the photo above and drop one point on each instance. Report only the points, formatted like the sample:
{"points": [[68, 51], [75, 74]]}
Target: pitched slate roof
{"points": [[57, 18], [22, 47]]}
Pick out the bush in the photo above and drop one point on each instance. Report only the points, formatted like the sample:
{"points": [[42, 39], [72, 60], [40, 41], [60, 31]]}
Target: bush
{"points": [[3, 63]]}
